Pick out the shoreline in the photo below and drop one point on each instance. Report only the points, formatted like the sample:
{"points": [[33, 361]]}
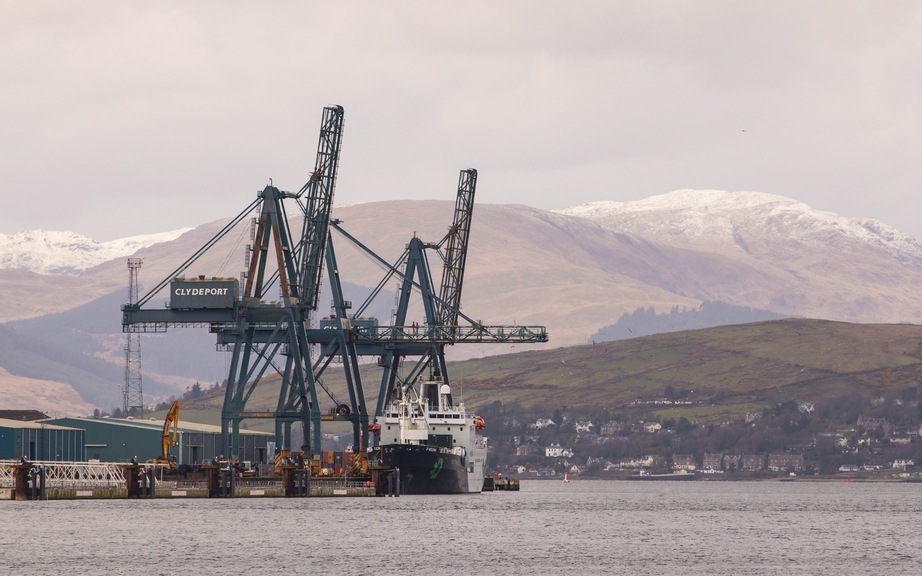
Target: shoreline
{"points": [[723, 478]]}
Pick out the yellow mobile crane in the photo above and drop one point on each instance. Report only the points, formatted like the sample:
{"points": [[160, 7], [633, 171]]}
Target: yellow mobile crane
{"points": [[172, 418]]}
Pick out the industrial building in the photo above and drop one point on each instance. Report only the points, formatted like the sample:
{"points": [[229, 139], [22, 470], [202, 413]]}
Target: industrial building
{"points": [[41, 441], [121, 440]]}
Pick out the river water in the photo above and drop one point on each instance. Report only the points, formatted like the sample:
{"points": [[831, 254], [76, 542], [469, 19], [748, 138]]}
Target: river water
{"points": [[548, 528]]}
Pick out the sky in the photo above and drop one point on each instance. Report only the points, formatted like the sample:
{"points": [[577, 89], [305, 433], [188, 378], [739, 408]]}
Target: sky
{"points": [[131, 117]]}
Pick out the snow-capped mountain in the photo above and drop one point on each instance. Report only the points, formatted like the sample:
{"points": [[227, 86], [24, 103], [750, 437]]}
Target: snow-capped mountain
{"points": [[750, 221], [574, 271], [55, 252]]}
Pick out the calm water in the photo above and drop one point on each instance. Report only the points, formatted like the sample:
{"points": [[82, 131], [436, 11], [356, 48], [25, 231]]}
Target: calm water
{"points": [[585, 527]]}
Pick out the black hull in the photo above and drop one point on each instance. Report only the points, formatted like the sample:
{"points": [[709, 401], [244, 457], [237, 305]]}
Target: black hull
{"points": [[426, 469]]}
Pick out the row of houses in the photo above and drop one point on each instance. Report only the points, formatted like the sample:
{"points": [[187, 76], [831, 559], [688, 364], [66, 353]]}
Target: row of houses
{"points": [[752, 462], [711, 462], [554, 450], [716, 463]]}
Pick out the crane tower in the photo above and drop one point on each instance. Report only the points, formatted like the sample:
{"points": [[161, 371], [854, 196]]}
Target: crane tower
{"points": [[132, 397]]}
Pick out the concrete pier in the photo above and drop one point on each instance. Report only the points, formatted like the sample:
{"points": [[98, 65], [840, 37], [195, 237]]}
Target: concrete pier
{"points": [[81, 480]]}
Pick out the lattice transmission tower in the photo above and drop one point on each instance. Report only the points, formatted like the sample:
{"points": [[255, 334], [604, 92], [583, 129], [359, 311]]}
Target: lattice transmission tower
{"points": [[131, 393]]}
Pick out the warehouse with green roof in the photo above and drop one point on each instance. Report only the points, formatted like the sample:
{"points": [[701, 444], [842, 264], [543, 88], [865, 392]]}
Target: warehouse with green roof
{"points": [[123, 439]]}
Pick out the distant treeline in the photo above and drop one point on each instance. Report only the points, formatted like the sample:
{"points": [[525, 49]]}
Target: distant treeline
{"points": [[644, 321]]}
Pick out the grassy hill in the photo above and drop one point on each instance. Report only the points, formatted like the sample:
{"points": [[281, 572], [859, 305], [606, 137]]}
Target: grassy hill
{"points": [[727, 371], [723, 373]]}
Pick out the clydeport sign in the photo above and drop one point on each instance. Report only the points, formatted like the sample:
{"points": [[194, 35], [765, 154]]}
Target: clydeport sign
{"points": [[199, 293]]}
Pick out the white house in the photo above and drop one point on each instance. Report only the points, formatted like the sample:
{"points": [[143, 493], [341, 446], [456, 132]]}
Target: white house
{"points": [[555, 450], [584, 426], [542, 423], [644, 462]]}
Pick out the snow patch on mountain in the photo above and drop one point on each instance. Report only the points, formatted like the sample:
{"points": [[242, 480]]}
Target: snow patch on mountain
{"points": [[60, 252], [702, 217]]}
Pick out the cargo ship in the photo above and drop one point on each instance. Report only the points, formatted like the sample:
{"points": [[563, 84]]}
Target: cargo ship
{"points": [[432, 445]]}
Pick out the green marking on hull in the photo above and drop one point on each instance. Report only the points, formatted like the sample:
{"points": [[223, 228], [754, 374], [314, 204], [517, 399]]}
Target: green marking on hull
{"points": [[436, 469]]}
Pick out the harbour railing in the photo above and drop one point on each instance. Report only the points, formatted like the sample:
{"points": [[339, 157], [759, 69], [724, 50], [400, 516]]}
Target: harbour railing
{"points": [[68, 474]]}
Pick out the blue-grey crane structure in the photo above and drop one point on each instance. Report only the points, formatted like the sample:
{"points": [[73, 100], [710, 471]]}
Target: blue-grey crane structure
{"points": [[265, 339], [268, 339], [442, 310]]}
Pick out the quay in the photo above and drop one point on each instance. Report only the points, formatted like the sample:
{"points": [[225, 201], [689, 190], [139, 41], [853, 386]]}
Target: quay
{"points": [[55, 480], [20, 480], [491, 484]]}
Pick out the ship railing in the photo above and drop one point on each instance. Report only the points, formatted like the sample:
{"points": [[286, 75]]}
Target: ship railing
{"points": [[393, 411]]}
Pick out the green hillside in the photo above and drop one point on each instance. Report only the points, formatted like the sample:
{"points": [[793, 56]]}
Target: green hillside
{"points": [[727, 371], [720, 373]]}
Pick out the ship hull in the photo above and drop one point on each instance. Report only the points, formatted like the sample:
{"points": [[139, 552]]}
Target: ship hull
{"points": [[432, 470]]}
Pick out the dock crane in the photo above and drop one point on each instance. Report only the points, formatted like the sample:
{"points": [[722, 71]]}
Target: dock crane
{"points": [[441, 311], [278, 338], [264, 338]]}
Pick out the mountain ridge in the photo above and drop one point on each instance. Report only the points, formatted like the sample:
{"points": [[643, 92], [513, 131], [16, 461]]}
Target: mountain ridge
{"points": [[681, 216], [55, 252], [527, 266]]}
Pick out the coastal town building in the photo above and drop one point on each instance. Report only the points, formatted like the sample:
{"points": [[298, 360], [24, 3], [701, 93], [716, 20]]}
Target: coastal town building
{"points": [[684, 462], [752, 462], [611, 429], [712, 461], [786, 462]]}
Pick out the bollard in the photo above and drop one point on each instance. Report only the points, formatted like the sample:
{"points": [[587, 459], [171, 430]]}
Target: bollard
{"points": [[151, 481], [211, 480], [37, 483], [33, 484], [21, 481], [297, 481]]}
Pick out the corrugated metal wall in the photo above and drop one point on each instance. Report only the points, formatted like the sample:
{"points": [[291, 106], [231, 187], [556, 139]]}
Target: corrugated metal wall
{"points": [[113, 440], [42, 443]]}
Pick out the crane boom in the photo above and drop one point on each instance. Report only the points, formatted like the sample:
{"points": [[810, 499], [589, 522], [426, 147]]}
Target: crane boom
{"points": [[318, 204], [456, 251]]}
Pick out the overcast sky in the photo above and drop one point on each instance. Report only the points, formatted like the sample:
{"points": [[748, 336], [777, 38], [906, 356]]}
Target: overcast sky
{"points": [[123, 118]]}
